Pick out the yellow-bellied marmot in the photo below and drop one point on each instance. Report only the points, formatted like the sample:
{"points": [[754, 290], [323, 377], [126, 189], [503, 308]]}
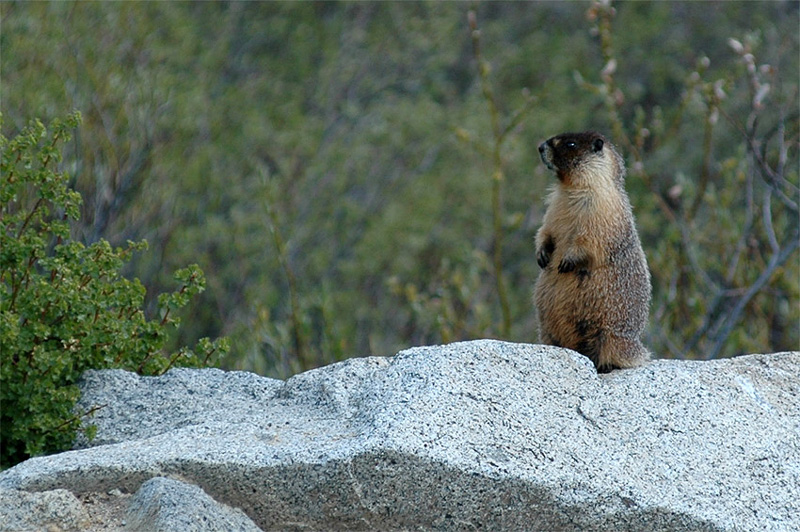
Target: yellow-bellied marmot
{"points": [[593, 294]]}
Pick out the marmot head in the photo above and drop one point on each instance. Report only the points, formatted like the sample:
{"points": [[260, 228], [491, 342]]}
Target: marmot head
{"points": [[582, 159]]}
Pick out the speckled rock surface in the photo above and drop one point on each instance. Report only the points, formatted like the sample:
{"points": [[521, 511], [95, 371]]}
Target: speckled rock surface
{"points": [[135, 408], [161, 505], [46, 510], [475, 435]]}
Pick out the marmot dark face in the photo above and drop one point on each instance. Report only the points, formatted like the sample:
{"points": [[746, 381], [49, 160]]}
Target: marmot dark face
{"points": [[573, 155]]}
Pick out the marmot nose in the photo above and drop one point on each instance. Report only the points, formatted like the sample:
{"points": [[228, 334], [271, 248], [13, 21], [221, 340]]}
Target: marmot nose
{"points": [[541, 147]]}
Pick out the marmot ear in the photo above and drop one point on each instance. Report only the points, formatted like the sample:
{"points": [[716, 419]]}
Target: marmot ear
{"points": [[597, 145]]}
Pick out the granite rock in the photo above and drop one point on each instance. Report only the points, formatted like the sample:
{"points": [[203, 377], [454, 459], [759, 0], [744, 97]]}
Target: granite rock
{"points": [[474, 435], [43, 511], [167, 505]]}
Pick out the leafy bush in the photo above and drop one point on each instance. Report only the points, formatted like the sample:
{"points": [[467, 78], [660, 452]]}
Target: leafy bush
{"points": [[65, 306]]}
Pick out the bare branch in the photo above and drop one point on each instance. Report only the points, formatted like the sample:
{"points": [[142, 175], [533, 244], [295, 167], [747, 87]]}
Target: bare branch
{"points": [[732, 318], [767, 220]]}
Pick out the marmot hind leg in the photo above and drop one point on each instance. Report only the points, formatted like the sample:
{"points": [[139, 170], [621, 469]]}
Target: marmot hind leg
{"points": [[619, 352]]}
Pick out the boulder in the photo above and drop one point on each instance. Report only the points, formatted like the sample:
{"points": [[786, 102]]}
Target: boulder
{"points": [[475, 435], [48, 510], [168, 505]]}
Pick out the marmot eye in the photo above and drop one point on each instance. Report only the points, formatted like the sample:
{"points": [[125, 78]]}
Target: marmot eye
{"points": [[571, 144]]}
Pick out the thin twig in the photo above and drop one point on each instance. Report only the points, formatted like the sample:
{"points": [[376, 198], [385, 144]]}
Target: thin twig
{"points": [[75, 418], [497, 174]]}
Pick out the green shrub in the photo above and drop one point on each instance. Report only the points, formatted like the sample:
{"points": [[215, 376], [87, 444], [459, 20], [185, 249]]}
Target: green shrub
{"points": [[65, 306]]}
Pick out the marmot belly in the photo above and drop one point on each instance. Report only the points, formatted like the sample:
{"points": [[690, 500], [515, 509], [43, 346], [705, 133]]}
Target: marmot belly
{"points": [[599, 313]]}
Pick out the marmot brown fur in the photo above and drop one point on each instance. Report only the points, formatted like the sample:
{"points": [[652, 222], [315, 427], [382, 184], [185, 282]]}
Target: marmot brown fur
{"points": [[593, 294]]}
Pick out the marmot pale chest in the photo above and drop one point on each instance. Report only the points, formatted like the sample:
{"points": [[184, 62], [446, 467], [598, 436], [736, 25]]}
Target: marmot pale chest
{"points": [[593, 293]]}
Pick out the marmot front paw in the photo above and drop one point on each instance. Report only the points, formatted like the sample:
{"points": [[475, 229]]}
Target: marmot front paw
{"points": [[545, 253], [543, 258], [570, 264]]}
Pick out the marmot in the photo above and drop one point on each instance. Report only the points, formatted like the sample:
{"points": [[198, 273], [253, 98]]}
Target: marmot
{"points": [[593, 294]]}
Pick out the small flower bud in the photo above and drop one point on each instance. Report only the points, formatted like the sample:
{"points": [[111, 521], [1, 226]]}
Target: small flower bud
{"points": [[472, 19], [609, 69], [736, 45], [719, 92], [760, 95]]}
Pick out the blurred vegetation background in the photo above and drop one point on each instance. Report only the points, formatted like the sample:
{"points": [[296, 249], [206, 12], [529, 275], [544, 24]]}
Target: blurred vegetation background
{"points": [[357, 178]]}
